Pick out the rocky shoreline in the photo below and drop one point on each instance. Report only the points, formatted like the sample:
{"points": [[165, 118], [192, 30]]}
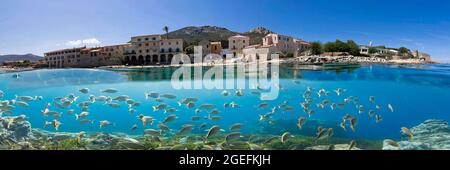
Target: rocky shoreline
{"points": [[13, 70], [430, 135], [349, 60], [303, 60]]}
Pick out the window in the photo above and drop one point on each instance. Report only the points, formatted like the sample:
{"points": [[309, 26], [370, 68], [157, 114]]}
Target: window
{"points": [[139, 39], [170, 50], [177, 50], [153, 38], [170, 43], [162, 43], [234, 41], [146, 39], [162, 50], [244, 41], [177, 42], [146, 44]]}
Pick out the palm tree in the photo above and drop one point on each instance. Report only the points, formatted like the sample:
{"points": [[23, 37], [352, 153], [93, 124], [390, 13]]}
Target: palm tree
{"points": [[166, 29]]}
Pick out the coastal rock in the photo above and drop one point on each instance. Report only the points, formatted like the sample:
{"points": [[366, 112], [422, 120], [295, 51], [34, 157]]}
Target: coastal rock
{"points": [[328, 147], [18, 131], [430, 135]]}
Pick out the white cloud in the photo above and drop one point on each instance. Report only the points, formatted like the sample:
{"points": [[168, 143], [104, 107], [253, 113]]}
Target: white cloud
{"points": [[85, 42]]}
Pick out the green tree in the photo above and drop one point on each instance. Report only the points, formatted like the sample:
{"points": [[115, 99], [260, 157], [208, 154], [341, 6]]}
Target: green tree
{"points": [[329, 47], [166, 29], [403, 50], [353, 48], [372, 50], [341, 46], [316, 48]]}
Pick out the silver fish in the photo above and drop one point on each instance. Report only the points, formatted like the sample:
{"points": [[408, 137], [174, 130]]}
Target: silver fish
{"points": [[232, 136], [352, 145], [130, 101], [169, 118], [372, 99], [55, 123], [169, 96], [163, 127], [85, 121], [170, 110], [195, 118], [321, 134], [121, 98], [262, 105], [84, 90], [207, 106], [22, 104], [145, 119], [110, 90], [104, 123], [81, 115], [187, 100], [152, 132], [225, 93], [305, 105], [159, 107], [234, 105], [152, 95], [285, 136], [339, 91], [371, 113], [353, 122], [203, 125], [271, 139], [114, 105], [301, 121], [213, 131], [214, 111], [390, 108], [215, 118], [239, 93], [378, 118], [24, 98], [236, 127], [185, 129], [190, 105]]}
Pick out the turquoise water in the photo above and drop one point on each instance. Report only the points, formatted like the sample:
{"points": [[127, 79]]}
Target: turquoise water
{"points": [[417, 93]]}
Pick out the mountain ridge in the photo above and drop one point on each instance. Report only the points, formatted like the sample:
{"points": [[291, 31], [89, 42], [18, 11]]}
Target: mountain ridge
{"points": [[193, 34], [19, 57]]}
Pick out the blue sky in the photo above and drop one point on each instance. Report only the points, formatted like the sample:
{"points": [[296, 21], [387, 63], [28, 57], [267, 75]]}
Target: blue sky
{"points": [[36, 26]]}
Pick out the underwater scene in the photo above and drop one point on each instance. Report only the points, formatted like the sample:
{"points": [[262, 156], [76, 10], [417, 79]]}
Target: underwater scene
{"points": [[324, 107]]}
